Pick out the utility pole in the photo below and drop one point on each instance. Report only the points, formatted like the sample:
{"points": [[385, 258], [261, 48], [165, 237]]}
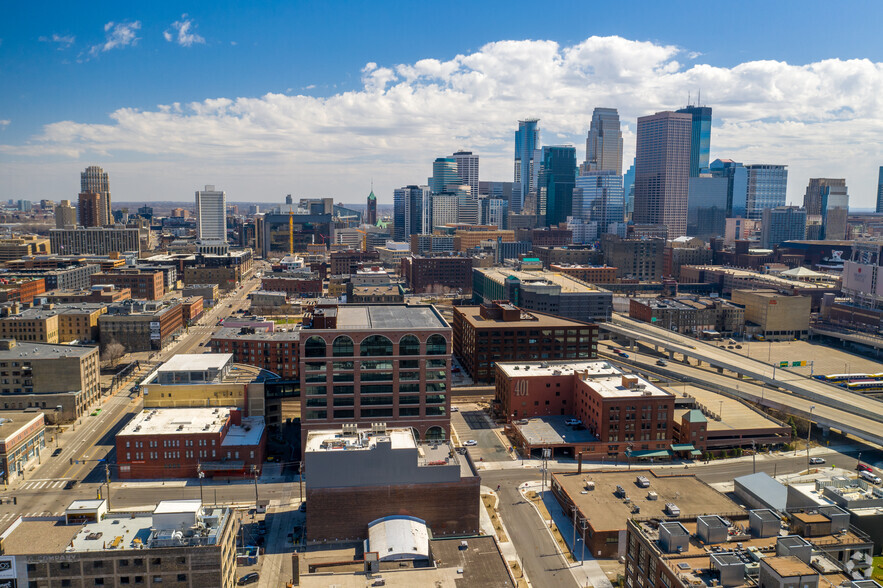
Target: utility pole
{"points": [[583, 526], [107, 481], [573, 544], [201, 475], [808, 431], [254, 471]]}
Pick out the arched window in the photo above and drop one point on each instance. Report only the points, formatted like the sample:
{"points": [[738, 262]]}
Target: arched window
{"points": [[435, 434], [409, 345], [342, 347], [375, 345], [314, 347], [436, 345]]}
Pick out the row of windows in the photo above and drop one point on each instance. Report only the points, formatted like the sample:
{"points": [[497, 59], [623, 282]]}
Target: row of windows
{"points": [[374, 346]]}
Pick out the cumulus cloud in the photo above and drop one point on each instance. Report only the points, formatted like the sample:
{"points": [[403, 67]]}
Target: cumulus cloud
{"points": [[63, 41], [181, 33], [821, 119], [117, 35], [4, 123]]}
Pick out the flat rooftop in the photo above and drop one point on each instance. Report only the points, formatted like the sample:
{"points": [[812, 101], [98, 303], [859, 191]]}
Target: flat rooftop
{"points": [[43, 351], [389, 317], [609, 512], [196, 362], [259, 334], [735, 416], [551, 430], [159, 421], [528, 318], [12, 422], [335, 440], [557, 368], [771, 279], [567, 284], [613, 387]]}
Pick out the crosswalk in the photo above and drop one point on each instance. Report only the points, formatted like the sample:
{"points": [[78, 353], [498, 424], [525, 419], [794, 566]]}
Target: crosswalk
{"points": [[7, 517], [41, 484]]}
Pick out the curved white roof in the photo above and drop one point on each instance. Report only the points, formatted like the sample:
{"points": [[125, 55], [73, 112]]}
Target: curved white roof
{"points": [[398, 537]]}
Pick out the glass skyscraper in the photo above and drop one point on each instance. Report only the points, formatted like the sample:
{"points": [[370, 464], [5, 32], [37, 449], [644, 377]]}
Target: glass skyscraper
{"points": [[700, 138], [409, 211], [527, 140], [880, 190], [556, 179], [737, 185], [598, 197], [604, 142], [444, 176], [767, 187]]}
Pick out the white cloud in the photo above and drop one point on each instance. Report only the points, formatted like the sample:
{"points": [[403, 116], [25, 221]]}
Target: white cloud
{"points": [[180, 32], [822, 119], [117, 35], [4, 123], [63, 41]]}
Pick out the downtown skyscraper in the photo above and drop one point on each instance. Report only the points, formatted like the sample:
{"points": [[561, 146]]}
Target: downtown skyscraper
{"points": [[767, 188], [94, 180], [211, 219], [555, 182], [411, 211], [604, 142], [467, 170], [662, 171], [527, 141], [700, 138]]}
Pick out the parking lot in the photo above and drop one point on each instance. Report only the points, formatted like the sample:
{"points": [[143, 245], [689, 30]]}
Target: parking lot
{"points": [[471, 422]]}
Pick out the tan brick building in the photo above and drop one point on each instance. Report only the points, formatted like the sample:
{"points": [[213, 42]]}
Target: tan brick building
{"points": [[144, 285], [774, 316]]}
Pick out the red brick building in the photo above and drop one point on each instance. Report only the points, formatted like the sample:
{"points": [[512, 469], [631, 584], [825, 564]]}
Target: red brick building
{"points": [[376, 363], [620, 412], [181, 442], [293, 286], [192, 308], [434, 274], [144, 285], [21, 289], [277, 352], [347, 262], [593, 274], [500, 331]]}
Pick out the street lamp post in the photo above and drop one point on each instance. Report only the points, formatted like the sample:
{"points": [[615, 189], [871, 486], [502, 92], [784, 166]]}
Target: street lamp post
{"points": [[201, 475], [808, 430]]}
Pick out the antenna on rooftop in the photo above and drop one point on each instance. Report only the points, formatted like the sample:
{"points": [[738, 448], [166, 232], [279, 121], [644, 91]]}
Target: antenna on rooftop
{"points": [[688, 97]]}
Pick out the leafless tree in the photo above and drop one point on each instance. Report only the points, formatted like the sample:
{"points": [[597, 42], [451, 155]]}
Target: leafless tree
{"points": [[113, 352]]}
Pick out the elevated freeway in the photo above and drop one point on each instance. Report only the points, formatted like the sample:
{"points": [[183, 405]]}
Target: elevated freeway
{"points": [[851, 412]]}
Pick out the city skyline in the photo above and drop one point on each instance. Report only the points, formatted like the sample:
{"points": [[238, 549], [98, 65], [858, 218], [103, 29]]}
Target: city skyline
{"points": [[263, 138]]}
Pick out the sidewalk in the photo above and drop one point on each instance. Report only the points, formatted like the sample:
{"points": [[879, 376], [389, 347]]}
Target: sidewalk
{"points": [[587, 572]]}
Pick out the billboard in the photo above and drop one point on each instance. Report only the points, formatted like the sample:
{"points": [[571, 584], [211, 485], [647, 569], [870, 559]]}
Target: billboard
{"points": [[858, 276]]}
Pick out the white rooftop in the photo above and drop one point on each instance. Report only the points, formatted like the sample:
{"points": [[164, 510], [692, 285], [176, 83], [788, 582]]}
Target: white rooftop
{"points": [[362, 441], [85, 505], [178, 506], [249, 433], [556, 368], [177, 421], [613, 387], [399, 538], [186, 362]]}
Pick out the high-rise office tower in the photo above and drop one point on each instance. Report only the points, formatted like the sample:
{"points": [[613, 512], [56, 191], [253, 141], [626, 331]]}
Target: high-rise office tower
{"points": [[94, 179], [812, 199], [555, 182], [834, 211], [597, 197], [767, 186], [467, 170], [371, 209], [412, 212], [65, 215], [662, 171], [444, 210], [89, 209], [628, 190], [604, 142], [737, 184], [707, 207], [527, 140], [211, 213], [444, 175], [494, 211], [880, 190], [780, 224], [700, 138]]}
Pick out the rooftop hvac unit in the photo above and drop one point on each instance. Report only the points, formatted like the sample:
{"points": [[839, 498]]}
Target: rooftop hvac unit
{"points": [[672, 509], [652, 495]]}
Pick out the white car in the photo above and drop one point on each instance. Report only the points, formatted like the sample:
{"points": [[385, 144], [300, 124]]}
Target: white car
{"points": [[470, 443], [816, 460], [455, 409], [573, 422]]}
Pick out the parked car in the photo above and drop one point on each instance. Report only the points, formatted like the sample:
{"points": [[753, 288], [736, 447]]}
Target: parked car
{"points": [[869, 477], [573, 422], [455, 409], [57, 452], [863, 468], [470, 443], [521, 422], [816, 460], [249, 578]]}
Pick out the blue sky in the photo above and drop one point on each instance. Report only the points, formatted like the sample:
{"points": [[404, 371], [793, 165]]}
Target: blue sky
{"points": [[280, 98]]}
